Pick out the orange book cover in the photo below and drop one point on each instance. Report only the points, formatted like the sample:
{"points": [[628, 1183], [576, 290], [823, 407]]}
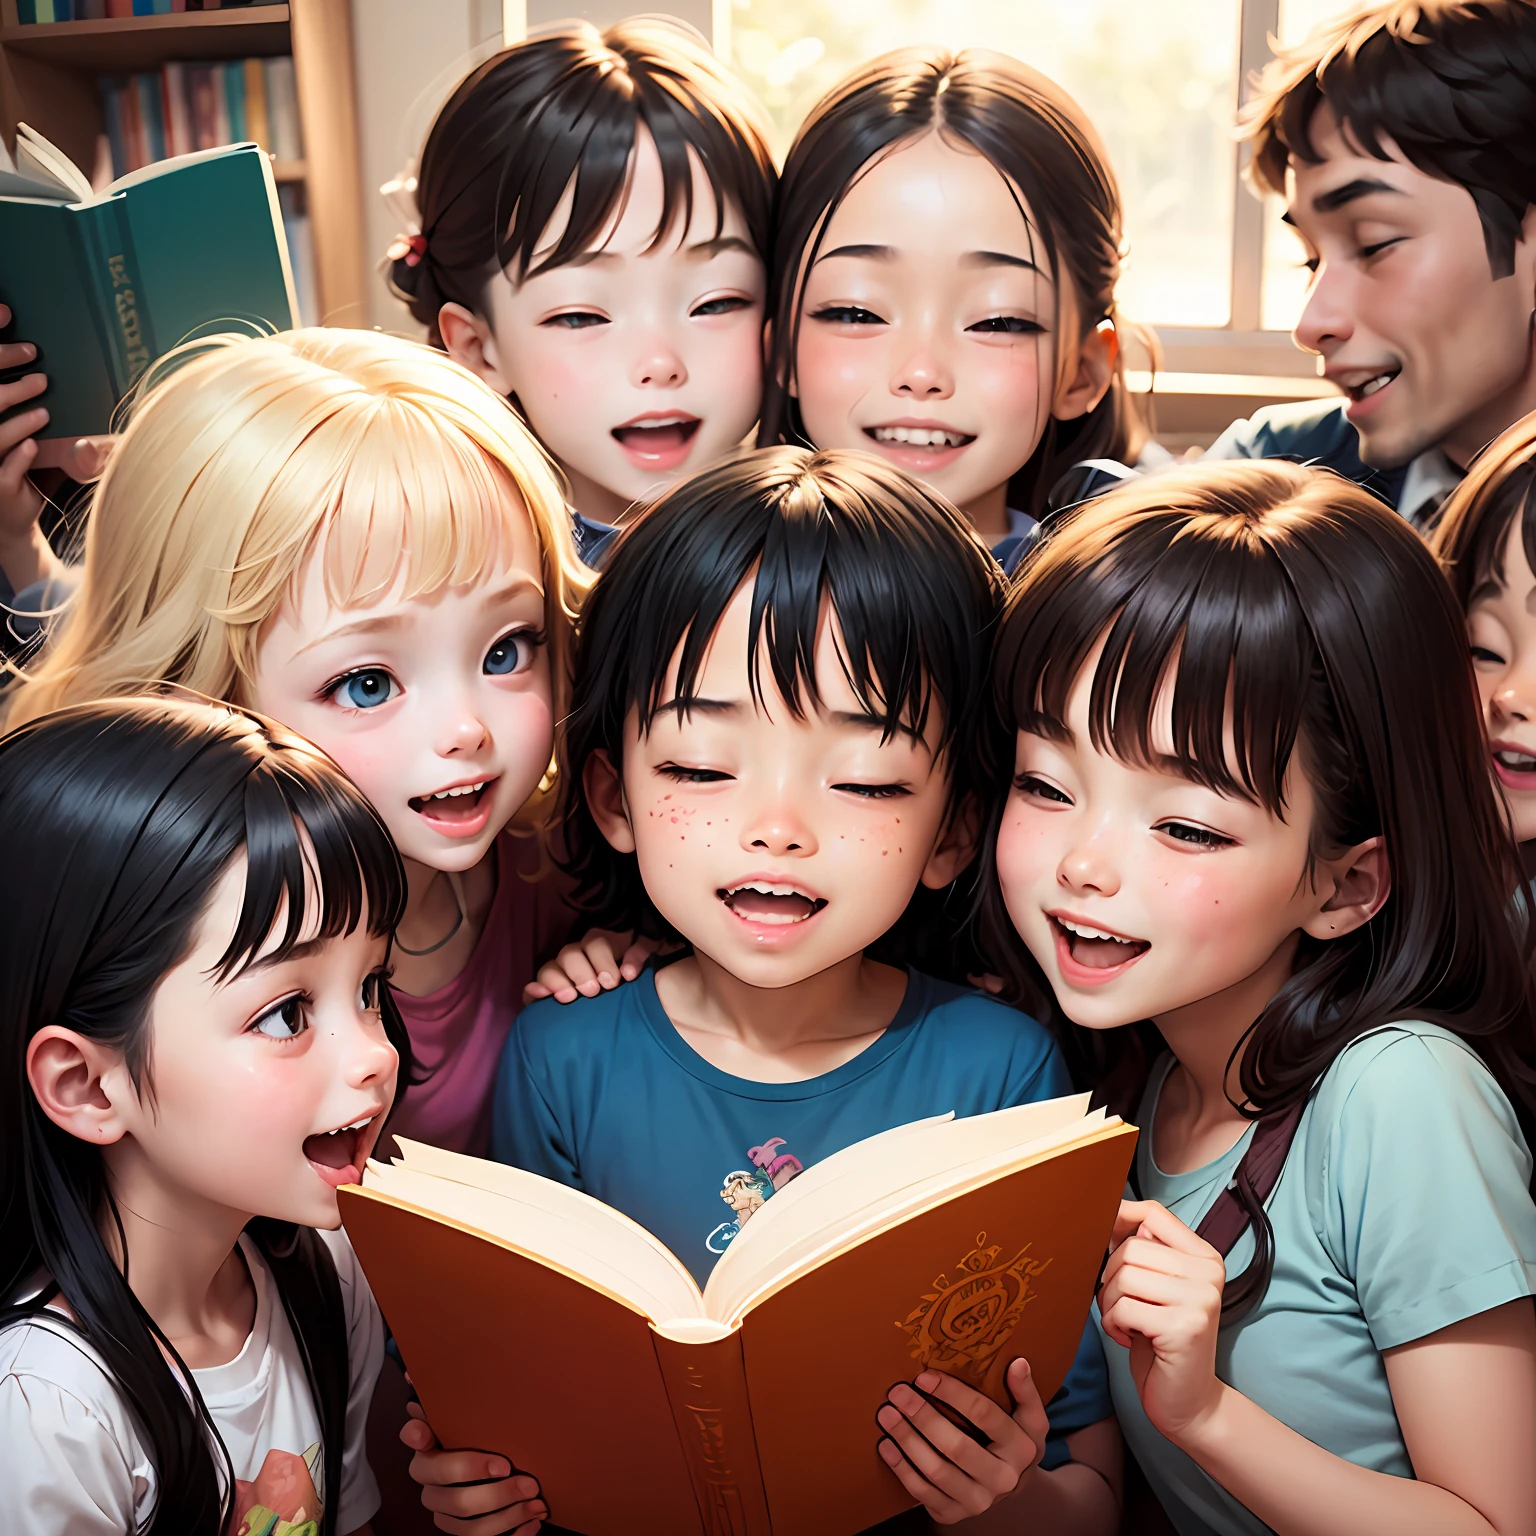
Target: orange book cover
{"points": [[763, 1421]]}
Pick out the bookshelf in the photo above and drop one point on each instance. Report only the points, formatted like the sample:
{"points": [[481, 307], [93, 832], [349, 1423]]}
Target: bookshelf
{"points": [[48, 78]]}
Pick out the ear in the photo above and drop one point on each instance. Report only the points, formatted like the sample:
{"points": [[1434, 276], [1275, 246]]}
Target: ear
{"points": [[955, 848], [1083, 388], [1361, 879], [74, 1079], [604, 789], [471, 342]]}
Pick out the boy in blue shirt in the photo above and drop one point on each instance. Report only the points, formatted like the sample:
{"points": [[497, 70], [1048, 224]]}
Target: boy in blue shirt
{"points": [[780, 685]]}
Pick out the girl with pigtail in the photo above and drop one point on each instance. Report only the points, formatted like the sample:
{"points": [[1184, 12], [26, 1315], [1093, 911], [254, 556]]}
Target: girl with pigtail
{"points": [[1251, 843]]}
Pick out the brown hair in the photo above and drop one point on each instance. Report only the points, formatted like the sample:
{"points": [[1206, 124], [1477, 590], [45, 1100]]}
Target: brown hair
{"points": [[1300, 620], [1451, 82], [561, 112], [1468, 540], [1042, 143]]}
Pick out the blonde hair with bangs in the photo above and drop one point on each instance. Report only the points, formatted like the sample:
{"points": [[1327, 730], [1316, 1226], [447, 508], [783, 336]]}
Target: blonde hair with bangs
{"points": [[243, 458]]}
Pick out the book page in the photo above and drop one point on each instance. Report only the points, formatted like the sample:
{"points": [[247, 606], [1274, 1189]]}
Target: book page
{"points": [[855, 1188], [548, 1220], [35, 184], [171, 163], [40, 161]]}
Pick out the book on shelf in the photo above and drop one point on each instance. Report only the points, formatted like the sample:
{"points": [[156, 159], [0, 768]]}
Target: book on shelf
{"points": [[104, 283], [32, 11], [543, 1325], [188, 105]]}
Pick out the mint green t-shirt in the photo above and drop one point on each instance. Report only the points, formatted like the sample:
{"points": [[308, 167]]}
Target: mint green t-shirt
{"points": [[1403, 1207]]}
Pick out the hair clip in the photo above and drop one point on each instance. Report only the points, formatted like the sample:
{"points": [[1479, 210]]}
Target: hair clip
{"points": [[408, 248]]}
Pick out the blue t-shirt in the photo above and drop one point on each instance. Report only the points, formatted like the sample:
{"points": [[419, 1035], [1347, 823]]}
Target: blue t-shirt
{"points": [[604, 1095]]}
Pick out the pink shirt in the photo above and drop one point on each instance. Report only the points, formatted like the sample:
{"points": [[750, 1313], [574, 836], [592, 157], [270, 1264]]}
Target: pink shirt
{"points": [[457, 1032]]}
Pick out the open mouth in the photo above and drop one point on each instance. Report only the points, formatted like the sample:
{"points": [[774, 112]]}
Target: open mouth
{"points": [[1359, 392], [1513, 767], [338, 1156], [1095, 949], [459, 806], [755, 901], [929, 438], [659, 435]]}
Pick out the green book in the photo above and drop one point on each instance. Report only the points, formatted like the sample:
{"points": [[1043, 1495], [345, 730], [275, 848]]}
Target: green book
{"points": [[104, 283]]}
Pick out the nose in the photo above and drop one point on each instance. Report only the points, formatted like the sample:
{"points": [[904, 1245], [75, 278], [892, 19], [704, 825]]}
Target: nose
{"points": [[1514, 700], [369, 1060], [1327, 321], [460, 731], [1086, 867], [924, 370], [658, 366], [778, 830]]}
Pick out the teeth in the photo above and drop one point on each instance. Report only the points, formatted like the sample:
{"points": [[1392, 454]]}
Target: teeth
{"points": [[463, 789], [920, 437], [659, 421], [357, 1125], [769, 890], [1090, 933], [1519, 761], [1372, 385]]}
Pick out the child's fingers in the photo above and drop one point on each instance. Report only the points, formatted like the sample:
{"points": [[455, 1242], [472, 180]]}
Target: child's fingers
{"points": [[534, 991], [1008, 1442], [416, 1432], [444, 1469], [987, 982], [635, 956], [1146, 1218], [86, 457], [20, 428], [943, 1509], [13, 472], [1148, 1285], [940, 1450], [1130, 1314], [1028, 1410], [514, 1520]]}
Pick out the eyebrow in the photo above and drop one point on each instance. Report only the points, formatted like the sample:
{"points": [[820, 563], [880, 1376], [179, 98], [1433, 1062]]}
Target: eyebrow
{"points": [[383, 623], [702, 250], [1036, 723], [855, 718], [969, 259], [305, 950], [1353, 191]]}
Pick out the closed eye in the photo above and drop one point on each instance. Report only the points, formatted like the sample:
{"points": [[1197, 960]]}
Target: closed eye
{"points": [[874, 791], [575, 320], [847, 314], [1007, 325], [1195, 836], [1040, 789], [681, 775], [1368, 251], [1483, 654]]}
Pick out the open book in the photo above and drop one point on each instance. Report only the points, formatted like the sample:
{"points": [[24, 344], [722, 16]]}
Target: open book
{"points": [[106, 282], [542, 1324]]}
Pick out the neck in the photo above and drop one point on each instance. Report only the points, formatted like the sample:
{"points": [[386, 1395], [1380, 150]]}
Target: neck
{"points": [[178, 1252], [853, 998], [988, 514], [1470, 437], [1204, 1036], [596, 502]]}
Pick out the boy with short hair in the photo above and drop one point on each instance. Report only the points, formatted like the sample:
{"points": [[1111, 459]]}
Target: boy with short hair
{"points": [[1402, 140]]}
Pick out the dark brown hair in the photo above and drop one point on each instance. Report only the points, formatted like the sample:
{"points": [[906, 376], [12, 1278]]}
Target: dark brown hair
{"points": [[1469, 538], [1299, 618], [1040, 141], [562, 111], [1451, 82]]}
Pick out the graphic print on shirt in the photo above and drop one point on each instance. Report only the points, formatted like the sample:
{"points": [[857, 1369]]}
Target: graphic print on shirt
{"points": [[745, 1189], [281, 1499]]}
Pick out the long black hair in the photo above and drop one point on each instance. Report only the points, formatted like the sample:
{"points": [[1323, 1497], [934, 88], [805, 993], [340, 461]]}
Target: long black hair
{"points": [[1298, 619], [1042, 143], [916, 597], [118, 821], [560, 112]]}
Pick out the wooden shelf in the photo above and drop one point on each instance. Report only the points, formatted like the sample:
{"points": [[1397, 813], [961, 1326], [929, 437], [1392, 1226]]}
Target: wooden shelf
{"points": [[49, 78], [128, 43]]}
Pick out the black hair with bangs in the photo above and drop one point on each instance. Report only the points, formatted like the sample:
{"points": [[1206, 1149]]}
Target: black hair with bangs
{"points": [[1470, 535], [915, 593], [561, 112], [1451, 82], [1290, 608], [118, 821]]}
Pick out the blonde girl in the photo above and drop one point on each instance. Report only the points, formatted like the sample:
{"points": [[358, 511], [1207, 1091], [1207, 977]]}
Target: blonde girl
{"points": [[355, 536]]}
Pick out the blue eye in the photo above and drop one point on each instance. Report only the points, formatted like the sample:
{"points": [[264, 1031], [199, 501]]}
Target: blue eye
{"points": [[510, 654], [366, 689], [284, 1022]]}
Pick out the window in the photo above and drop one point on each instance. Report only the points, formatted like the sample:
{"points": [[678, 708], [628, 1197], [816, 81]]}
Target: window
{"points": [[1216, 274]]}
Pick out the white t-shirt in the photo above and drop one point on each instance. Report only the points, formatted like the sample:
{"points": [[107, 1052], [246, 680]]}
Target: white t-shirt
{"points": [[71, 1459]]}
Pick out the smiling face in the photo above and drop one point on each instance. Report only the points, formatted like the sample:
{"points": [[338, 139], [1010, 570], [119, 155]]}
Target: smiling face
{"points": [[269, 1090], [1139, 892], [437, 706], [640, 361], [1501, 625], [928, 327], [1430, 348], [778, 847]]}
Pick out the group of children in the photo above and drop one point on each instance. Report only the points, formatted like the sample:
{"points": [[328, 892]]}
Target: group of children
{"points": [[370, 691]]}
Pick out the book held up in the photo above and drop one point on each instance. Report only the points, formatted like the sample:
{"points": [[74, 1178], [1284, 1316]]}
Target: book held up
{"points": [[103, 284], [541, 1324]]}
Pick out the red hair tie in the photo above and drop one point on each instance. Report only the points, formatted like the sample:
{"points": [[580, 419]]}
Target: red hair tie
{"points": [[408, 248]]}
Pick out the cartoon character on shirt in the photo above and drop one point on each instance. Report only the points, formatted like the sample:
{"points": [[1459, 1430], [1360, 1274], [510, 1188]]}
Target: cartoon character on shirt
{"points": [[281, 1499], [745, 1189]]}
